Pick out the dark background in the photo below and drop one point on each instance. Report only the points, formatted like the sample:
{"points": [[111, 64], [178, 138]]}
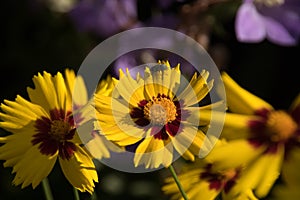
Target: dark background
{"points": [[35, 38]]}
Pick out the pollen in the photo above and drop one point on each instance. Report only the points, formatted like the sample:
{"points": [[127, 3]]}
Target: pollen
{"points": [[229, 174], [160, 110], [281, 125], [59, 129]]}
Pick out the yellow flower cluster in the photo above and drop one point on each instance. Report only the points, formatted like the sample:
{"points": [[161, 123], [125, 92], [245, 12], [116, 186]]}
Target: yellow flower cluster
{"points": [[158, 116], [258, 146]]}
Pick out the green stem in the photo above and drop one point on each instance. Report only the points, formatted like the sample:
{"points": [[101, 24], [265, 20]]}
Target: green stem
{"points": [[76, 194], [178, 182], [94, 196], [47, 189]]}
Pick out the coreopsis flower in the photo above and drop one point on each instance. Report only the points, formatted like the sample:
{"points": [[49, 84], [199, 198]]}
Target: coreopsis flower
{"points": [[43, 130], [290, 178], [203, 180], [260, 138], [96, 143], [276, 20], [148, 113]]}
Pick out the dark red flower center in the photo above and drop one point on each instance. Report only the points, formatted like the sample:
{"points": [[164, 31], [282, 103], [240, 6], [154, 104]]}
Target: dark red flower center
{"points": [[55, 134], [162, 114], [274, 128], [220, 180]]}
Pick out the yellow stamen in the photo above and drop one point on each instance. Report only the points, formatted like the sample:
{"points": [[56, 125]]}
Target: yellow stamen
{"points": [[229, 174], [59, 129], [160, 110], [280, 125]]}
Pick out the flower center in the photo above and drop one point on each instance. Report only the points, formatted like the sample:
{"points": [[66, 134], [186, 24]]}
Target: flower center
{"points": [[269, 3], [59, 129], [55, 133], [160, 111], [280, 125], [229, 174], [221, 179]]}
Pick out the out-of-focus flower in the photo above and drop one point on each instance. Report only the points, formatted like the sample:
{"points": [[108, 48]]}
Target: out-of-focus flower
{"points": [[44, 131], [61, 5], [202, 180], [96, 143], [148, 112], [276, 20], [290, 184], [260, 137], [105, 17]]}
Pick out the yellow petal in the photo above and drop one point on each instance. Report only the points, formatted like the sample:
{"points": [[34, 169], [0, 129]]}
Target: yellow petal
{"points": [[188, 142], [291, 166], [80, 171], [61, 91], [16, 144], [240, 100], [243, 195], [153, 152], [44, 93], [195, 187], [270, 173], [174, 81], [30, 107], [296, 103], [233, 154], [115, 122], [127, 88], [196, 90], [260, 175], [105, 87], [235, 126], [70, 81], [117, 135], [149, 84], [79, 95], [98, 147], [201, 116], [32, 167], [18, 114], [17, 110], [157, 75], [202, 191], [197, 143]]}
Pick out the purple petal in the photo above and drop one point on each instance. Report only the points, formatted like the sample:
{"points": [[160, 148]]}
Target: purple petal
{"points": [[248, 1], [249, 26], [287, 15], [278, 34], [104, 17]]}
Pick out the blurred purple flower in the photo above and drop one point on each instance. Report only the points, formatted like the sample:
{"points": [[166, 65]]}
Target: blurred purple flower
{"points": [[276, 20], [108, 17], [105, 17]]}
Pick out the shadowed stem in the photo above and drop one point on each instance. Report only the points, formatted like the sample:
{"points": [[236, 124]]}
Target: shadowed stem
{"points": [[178, 182], [76, 194], [94, 196], [47, 189]]}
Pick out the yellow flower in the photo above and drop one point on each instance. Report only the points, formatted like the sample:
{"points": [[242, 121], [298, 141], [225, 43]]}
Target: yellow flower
{"points": [[44, 131], [260, 137], [147, 113], [201, 180], [290, 184], [96, 143]]}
